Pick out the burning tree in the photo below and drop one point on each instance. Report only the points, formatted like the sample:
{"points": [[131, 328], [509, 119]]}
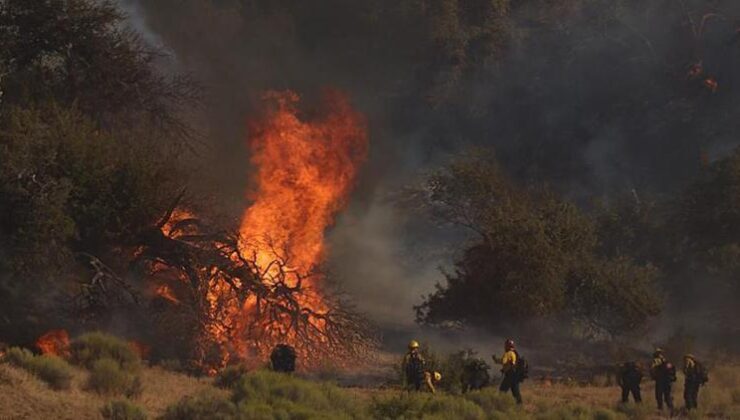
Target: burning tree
{"points": [[244, 292]]}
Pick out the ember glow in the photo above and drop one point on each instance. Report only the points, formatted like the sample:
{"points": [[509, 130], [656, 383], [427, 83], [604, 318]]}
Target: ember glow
{"points": [[165, 292], [711, 84], [54, 342]]}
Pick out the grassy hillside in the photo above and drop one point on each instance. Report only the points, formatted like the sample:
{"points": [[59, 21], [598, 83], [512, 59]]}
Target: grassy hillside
{"points": [[23, 396], [265, 395]]}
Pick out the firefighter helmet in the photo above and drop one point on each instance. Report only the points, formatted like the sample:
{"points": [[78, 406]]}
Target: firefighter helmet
{"points": [[413, 344], [509, 344], [437, 376]]}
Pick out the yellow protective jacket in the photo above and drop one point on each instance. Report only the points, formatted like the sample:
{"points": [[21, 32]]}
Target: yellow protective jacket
{"points": [[507, 361]]}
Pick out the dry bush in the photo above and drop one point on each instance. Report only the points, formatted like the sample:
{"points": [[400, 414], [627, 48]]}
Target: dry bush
{"points": [[228, 378], [18, 356], [56, 372], [122, 410], [277, 395], [204, 406], [89, 348], [108, 378]]}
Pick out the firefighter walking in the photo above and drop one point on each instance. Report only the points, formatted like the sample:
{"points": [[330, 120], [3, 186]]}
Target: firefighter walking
{"points": [[695, 376], [664, 374], [629, 378], [510, 362]]}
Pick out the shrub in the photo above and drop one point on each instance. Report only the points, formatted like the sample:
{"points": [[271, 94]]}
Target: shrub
{"points": [[428, 406], [448, 407], [735, 395], [600, 381], [492, 400], [19, 357], [290, 397], [402, 406], [122, 410], [88, 348], [228, 377], [51, 369], [108, 378], [204, 406]]}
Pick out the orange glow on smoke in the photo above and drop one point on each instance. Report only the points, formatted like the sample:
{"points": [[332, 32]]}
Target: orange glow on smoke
{"points": [[54, 342]]}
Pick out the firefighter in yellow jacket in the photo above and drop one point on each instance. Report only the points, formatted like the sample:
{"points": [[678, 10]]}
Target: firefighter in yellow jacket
{"points": [[508, 364]]}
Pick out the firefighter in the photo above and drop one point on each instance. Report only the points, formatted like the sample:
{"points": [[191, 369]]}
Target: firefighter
{"points": [[431, 378], [630, 376], [664, 374], [283, 358], [509, 368], [696, 376], [413, 367]]}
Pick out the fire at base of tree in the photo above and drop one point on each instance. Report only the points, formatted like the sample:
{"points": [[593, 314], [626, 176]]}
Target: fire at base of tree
{"points": [[96, 200]]}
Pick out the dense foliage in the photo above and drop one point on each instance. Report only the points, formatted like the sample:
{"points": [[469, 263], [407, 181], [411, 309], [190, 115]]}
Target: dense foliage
{"points": [[89, 135], [51, 369], [533, 255]]}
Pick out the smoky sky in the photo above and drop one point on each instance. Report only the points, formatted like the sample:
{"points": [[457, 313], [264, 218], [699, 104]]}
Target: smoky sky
{"points": [[590, 97]]}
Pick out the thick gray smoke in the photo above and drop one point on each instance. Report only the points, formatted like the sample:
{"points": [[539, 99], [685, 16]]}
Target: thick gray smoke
{"points": [[591, 106]]}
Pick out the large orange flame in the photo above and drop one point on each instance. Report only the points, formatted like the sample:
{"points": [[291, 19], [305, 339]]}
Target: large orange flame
{"points": [[305, 170], [54, 342]]}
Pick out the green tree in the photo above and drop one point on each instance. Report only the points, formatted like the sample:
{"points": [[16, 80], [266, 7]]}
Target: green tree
{"points": [[532, 255], [90, 133], [709, 216], [67, 187], [80, 52]]}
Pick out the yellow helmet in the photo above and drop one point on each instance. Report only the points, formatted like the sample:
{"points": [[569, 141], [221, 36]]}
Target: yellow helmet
{"points": [[413, 344], [437, 376]]}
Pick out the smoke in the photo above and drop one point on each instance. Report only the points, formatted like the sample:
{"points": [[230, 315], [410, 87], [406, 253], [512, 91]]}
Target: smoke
{"points": [[138, 23], [590, 99], [384, 275]]}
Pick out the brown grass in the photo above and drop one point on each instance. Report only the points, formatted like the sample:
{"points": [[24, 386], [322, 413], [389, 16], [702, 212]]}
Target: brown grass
{"points": [[22, 396]]}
